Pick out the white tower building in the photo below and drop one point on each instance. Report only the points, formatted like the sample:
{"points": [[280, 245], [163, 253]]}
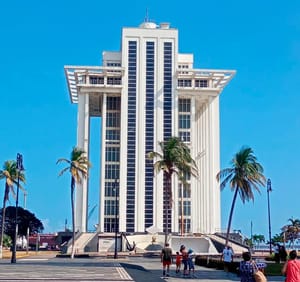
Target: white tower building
{"points": [[147, 93]]}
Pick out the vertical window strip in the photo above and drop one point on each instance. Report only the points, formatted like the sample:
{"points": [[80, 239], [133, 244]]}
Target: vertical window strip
{"points": [[167, 106], [112, 162], [131, 125], [149, 132]]}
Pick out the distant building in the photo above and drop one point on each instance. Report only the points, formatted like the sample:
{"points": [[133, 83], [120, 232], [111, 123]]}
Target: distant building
{"points": [[44, 241], [146, 93]]}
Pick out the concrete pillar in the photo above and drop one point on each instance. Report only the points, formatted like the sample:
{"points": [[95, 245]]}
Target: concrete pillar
{"points": [[83, 130]]}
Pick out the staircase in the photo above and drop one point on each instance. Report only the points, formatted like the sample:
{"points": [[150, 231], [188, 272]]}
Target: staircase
{"points": [[219, 243], [81, 242]]}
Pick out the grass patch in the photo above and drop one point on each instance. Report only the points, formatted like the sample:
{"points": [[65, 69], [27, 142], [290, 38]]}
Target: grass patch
{"points": [[273, 269]]}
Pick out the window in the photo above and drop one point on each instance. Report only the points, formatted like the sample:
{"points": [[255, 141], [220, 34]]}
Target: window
{"points": [[112, 171], [113, 120], [187, 176], [183, 66], [186, 208], [113, 64], [184, 190], [113, 134], [186, 222], [201, 83], [184, 83], [184, 121], [114, 80], [111, 188], [110, 207], [184, 105], [96, 80], [112, 154], [110, 225], [113, 103], [185, 136]]}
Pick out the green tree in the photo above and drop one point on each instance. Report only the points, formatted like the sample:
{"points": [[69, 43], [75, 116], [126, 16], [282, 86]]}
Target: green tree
{"points": [[244, 176], [277, 238], [25, 220], [7, 242], [291, 231], [174, 159], [78, 166], [10, 174], [248, 242], [258, 238]]}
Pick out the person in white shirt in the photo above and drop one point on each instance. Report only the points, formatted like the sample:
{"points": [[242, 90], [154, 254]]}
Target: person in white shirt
{"points": [[227, 257]]}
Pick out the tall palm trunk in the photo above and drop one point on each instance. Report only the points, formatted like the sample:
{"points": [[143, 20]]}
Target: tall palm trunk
{"points": [[73, 216], [3, 217], [168, 203], [230, 215]]}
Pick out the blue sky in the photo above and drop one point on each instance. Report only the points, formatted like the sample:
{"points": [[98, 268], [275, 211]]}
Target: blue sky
{"points": [[259, 39]]}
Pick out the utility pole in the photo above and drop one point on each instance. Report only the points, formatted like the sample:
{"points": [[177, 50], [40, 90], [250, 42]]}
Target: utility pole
{"points": [[269, 189]]}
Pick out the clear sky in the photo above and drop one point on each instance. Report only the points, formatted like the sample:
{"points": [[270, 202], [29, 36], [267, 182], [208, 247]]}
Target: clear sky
{"points": [[259, 108]]}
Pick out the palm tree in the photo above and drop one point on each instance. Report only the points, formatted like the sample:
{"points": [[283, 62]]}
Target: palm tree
{"points": [[10, 174], [258, 238], [244, 176], [174, 159], [292, 230], [277, 238], [78, 167]]}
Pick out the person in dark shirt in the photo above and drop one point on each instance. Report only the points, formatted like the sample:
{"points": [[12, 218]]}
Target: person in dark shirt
{"points": [[247, 268], [166, 259]]}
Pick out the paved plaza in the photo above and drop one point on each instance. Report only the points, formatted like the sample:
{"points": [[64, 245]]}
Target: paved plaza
{"points": [[49, 268]]}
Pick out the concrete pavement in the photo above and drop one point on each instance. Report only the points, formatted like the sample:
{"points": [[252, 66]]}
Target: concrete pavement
{"points": [[131, 268], [153, 269]]}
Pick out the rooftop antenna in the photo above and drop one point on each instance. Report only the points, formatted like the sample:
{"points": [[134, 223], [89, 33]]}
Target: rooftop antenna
{"points": [[147, 16]]}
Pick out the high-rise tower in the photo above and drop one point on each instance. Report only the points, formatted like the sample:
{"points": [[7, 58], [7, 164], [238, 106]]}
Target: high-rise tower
{"points": [[147, 93]]}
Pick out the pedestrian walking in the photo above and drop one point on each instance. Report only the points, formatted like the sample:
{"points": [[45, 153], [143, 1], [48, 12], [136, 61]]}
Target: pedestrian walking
{"points": [[184, 260], [166, 259], [276, 253], [191, 263], [247, 268], [178, 262], [291, 268], [227, 257]]}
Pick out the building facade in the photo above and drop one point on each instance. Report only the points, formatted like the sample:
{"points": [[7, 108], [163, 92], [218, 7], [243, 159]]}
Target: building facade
{"points": [[145, 94]]}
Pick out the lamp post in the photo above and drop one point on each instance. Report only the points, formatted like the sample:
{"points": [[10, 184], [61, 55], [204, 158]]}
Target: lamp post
{"points": [[116, 218], [19, 169], [269, 189]]}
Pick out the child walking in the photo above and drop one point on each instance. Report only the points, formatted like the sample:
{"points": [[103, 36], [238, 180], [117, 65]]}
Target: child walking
{"points": [[191, 263], [178, 262]]}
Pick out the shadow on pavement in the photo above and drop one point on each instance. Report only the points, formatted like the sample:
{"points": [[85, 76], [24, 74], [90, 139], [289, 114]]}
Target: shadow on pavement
{"points": [[139, 273]]}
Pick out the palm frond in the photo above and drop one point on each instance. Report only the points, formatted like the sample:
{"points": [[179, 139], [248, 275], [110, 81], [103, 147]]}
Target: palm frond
{"points": [[63, 160], [63, 171]]}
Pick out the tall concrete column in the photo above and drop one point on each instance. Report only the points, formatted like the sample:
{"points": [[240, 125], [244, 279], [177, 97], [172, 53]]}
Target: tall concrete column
{"points": [[83, 132], [214, 163]]}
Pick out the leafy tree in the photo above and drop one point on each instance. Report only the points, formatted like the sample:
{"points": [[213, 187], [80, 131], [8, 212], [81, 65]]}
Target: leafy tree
{"points": [[7, 242], [174, 159], [248, 242], [25, 220], [244, 176], [292, 230], [277, 238], [10, 174], [78, 167], [258, 238]]}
